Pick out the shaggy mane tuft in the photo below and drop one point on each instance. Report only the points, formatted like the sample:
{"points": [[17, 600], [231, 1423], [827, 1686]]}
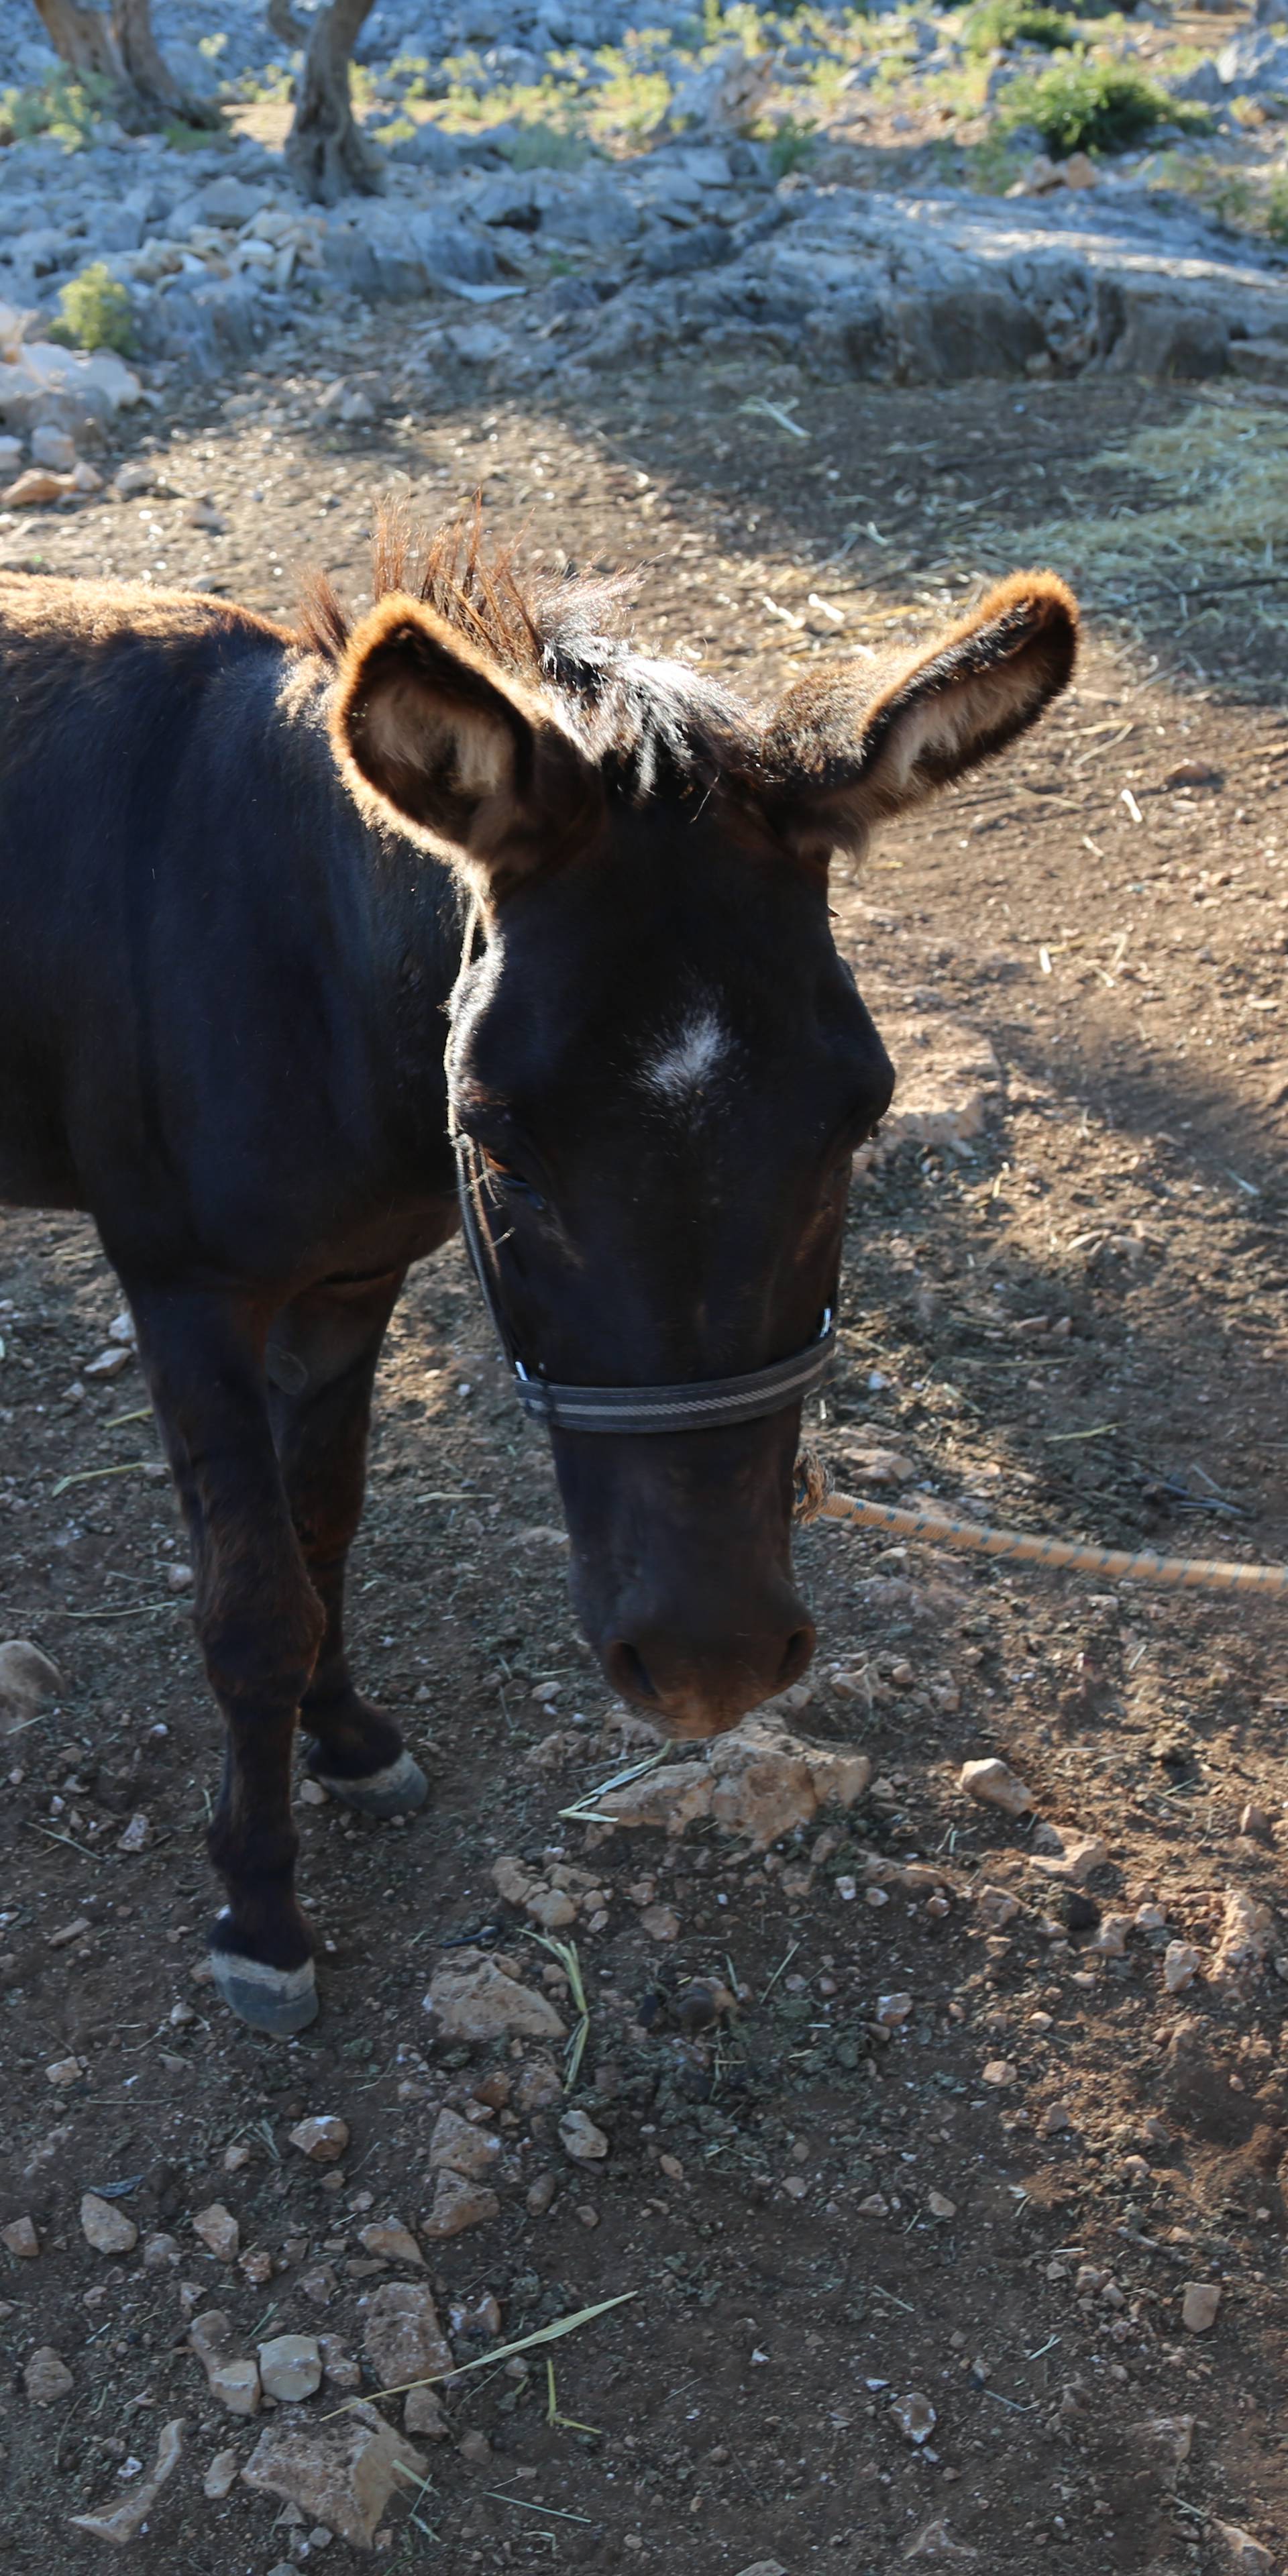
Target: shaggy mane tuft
{"points": [[565, 634]]}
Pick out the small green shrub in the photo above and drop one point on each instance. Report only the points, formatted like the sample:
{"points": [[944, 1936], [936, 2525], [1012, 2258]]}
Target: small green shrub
{"points": [[66, 109], [1096, 107], [95, 311], [791, 146], [996, 23], [1277, 207], [546, 147], [988, 167]]}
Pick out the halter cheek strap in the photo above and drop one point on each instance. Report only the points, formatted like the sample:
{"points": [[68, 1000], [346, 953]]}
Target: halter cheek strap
{"points": [[702, 1404]]}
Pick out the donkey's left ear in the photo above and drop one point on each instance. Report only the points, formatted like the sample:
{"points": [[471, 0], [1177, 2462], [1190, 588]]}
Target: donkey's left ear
{"points": [[840, 769], [434, 736]]}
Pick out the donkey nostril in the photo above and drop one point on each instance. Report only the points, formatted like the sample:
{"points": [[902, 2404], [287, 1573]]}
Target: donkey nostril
{"points": [[628, 1672], [800, 1647]]}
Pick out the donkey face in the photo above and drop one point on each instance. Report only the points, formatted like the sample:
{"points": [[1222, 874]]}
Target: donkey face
{"points": [[663, 1062]]}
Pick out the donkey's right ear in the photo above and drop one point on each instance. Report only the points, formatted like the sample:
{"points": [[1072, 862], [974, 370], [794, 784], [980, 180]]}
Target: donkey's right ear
{"points": [[451, 749]]}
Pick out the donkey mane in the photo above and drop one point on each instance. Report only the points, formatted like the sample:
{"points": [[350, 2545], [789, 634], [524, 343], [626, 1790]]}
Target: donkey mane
{"points": [[566, 635]]}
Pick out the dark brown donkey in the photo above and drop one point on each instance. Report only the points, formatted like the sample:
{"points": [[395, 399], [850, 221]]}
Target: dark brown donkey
{"points": [[249, 882]]}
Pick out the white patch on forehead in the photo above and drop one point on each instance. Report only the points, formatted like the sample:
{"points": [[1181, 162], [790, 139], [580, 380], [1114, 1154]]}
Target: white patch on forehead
{"points": [[683, 1066]]}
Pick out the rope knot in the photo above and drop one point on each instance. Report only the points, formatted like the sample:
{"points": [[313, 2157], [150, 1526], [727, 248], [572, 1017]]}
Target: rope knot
{"points": [[813, 1485]]}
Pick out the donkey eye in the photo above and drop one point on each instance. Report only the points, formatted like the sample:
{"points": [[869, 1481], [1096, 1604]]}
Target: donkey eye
{"points": [[508, 1178]]}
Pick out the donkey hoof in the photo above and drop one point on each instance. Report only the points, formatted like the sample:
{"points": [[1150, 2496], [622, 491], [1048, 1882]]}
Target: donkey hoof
{"points": [[278, 2000], [396, 1791]]}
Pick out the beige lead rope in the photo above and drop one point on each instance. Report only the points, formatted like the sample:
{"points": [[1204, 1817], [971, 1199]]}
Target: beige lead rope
{"points": [[816, 1500]]}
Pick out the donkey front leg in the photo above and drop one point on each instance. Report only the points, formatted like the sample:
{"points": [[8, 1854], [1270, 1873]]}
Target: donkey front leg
{"points": [[260, 1624], [321, 1362]]}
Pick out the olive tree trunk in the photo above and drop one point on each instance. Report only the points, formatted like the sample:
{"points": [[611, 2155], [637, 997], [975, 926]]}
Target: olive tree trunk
{"points": [[121, 48], [283, 23], [81, 38], [326, 154], [146, 70]]}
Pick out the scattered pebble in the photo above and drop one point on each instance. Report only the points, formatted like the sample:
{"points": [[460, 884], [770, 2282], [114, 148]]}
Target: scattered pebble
{"points": [[661, 1922], [994, 1784], [106, 2227], [27, 1677], [1199, 2305], [218, 2230], [458, 2204], [342, 2473], [1074, 1859], [540, 2195], [1244, 1939], [474, 1999], [580, 2138], [935, 2541], [893, 2009], [290, 2367], [423, 2414], [1172, 2435], [46, 2376], [20, 2238], [402, 2337], [390, 2242], [125, 2521], [1181, 1964], [915, 2417], [221, 2476], [462, 2147], [999, 2071], [1251, 2557], [236, 2385], [550, 1907], [323, 2138], [996, 1907]]}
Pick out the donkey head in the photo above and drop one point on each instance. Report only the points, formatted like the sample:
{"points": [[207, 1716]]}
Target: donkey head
{"points": [[662, 1062]]}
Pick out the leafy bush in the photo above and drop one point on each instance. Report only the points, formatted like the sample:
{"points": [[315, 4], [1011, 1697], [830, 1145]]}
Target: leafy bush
{"points": [[95, 312], [1096, 107], [791, 146], [1014, 22], [542, 146], [1277, 207], [67, 109]]}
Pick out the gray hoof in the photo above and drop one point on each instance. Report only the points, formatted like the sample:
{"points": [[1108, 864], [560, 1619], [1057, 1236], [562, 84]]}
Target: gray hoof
{"points": [[278, 2000], [396, 1791]]}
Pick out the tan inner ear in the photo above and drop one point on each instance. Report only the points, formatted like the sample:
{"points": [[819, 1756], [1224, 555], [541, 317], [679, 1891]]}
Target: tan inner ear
{"points": [[406, 729], [944, 724]]}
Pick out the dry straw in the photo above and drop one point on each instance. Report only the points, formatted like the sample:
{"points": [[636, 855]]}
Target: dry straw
{"points": [[499, 2352]]}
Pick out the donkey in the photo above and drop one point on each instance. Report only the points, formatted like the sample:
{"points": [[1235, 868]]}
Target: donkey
{"points": [[251, 880]]}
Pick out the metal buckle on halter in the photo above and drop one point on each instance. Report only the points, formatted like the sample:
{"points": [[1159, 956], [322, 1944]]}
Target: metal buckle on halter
{"points": [[700, 1404]]}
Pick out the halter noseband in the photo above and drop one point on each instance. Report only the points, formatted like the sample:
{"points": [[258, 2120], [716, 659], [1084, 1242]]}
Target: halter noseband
{"points": [[702, 1404]]}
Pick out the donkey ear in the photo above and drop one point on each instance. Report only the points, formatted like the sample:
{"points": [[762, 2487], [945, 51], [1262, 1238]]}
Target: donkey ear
{"points": [[450, 748], [843, 770]]}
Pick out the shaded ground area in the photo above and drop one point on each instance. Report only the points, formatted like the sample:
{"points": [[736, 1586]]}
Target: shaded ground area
{"points": [[1073, 1321]]}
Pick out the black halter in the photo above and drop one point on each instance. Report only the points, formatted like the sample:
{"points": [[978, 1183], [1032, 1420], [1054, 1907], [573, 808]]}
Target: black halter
{"points": [[703, 1404]]}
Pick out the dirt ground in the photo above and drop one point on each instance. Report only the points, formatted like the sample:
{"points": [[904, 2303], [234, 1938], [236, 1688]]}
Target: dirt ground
{"points": [[1075, 1323]]}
